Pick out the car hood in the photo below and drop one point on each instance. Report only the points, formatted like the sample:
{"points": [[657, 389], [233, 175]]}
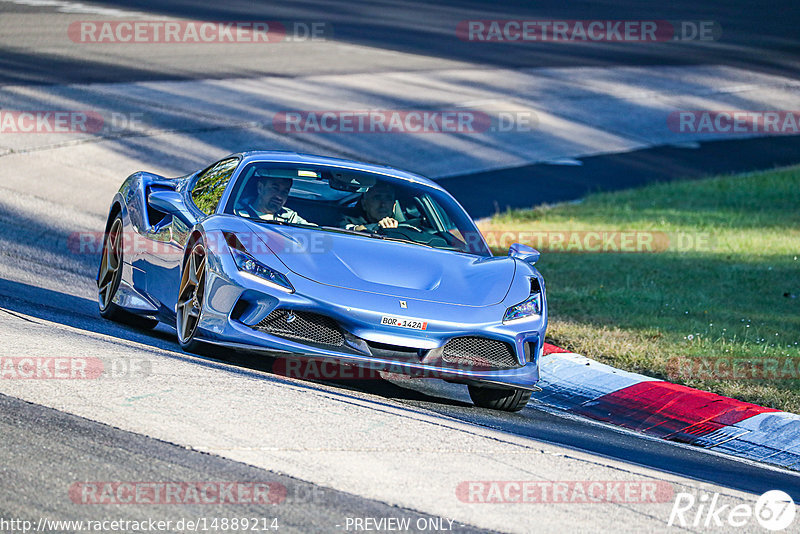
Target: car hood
{"points": [[391, 268]]}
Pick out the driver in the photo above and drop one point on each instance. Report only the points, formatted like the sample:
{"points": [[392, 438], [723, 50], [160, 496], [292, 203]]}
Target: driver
{"points": [[374, 210], [269, 203]]}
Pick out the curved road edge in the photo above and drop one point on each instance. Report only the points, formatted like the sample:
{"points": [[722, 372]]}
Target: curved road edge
{"points": [[588, 388]]}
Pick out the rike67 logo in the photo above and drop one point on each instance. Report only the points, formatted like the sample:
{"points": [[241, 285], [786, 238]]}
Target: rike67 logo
{"points": [[774, 510]]}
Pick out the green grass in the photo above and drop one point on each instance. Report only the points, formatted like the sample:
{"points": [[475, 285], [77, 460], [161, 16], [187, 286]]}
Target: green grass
{"points": [[734, 297]]}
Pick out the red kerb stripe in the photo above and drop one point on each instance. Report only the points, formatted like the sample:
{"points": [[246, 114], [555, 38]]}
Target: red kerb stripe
{"points": [[552, 349], [669, 411]]}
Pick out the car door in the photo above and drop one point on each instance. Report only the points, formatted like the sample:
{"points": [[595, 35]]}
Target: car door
{"points": [[205, 191]]}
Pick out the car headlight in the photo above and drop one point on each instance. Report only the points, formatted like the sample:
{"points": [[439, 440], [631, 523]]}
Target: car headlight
{"points": [[249, 265], [529, 307]]}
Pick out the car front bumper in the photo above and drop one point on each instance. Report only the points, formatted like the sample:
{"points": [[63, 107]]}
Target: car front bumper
{"points": [[235, 304]]}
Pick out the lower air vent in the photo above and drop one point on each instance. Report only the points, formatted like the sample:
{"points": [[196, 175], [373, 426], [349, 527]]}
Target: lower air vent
{"points": [[479, 352], [302, 326]]}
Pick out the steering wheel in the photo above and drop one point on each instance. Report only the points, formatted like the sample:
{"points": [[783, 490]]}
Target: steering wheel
{"points": [[408, 231]]}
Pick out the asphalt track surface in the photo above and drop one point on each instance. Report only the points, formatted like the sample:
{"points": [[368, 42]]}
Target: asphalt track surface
{"points": [[44, 450], [758, 37], [111, 454]]}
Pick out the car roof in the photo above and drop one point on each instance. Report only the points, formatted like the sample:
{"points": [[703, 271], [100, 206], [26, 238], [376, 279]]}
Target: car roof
{"points": [[281, 156]]}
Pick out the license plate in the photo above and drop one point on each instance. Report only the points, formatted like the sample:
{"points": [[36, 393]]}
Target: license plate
{"points": [[404, 322]]}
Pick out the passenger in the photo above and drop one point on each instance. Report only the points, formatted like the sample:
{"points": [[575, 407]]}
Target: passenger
{"points": [[268, 205], [374, 210]]}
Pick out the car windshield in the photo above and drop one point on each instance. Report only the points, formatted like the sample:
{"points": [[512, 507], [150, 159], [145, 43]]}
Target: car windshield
{"points": [[336, 199]]}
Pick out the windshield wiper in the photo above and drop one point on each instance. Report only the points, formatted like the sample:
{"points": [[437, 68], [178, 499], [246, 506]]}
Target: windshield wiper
{"points": [[267, 221], [364, 233], [400, 240], [342, 230], [373, 235], [284, 223]]}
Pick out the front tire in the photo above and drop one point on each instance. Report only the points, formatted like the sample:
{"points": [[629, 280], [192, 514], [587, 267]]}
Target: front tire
{"points": [[506, 399], [109, 278]]}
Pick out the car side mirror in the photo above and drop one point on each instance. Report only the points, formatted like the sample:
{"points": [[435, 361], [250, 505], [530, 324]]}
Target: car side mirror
{"points": [[171, 203], [524, 253]]}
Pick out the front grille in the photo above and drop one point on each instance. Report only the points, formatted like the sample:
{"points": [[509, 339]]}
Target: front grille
{"points": [[479, 352], [305, 326]]}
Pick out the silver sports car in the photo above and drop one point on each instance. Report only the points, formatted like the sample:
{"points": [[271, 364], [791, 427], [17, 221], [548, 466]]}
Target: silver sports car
{"points": [[324, 258]]}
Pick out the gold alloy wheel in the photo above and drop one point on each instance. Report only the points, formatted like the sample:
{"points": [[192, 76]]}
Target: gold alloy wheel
{"points": [[190, 295], [110, 265]]}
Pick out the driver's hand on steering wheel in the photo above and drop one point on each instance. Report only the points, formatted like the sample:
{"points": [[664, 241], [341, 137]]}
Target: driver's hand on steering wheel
{"points": [[388, 222]]}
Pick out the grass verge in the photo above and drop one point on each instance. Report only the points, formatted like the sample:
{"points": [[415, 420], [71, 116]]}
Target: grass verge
{"points": [[696, 282]]}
